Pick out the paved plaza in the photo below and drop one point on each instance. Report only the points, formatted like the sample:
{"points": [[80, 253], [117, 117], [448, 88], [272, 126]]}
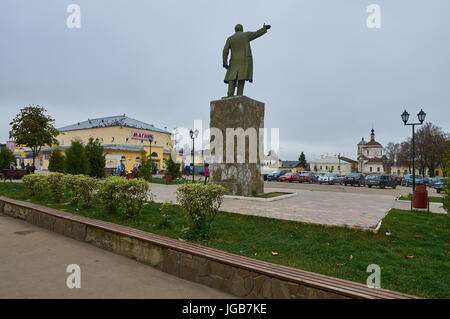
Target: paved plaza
{"points": [[323, 204]]}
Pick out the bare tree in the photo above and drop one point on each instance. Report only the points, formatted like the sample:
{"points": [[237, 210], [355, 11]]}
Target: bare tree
{"points": [[431, 147]]}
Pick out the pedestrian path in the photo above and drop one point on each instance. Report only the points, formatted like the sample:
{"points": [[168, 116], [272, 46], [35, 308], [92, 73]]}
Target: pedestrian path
{"points": [[34, 265]]}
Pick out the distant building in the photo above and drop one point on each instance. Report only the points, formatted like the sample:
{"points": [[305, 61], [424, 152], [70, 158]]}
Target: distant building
{"points": [[371, 159], [339, 165]]}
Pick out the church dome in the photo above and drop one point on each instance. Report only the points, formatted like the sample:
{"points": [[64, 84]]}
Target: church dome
{"points": [[362, 142]]}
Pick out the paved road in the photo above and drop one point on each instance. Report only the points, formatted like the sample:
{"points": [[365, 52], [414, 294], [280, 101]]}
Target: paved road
{"points": [[33, 264]]}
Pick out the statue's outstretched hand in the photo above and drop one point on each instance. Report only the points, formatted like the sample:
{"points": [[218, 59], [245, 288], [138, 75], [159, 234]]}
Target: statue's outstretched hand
{"points": [[267, 26], [225, 66]]}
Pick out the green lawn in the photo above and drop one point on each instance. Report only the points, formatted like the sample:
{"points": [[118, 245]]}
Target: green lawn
{"points": [[415, 259], [433, 199]]}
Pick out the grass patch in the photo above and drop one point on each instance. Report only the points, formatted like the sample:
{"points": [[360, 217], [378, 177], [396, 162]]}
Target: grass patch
{"points": [[433, 199], [415, 259], [271, 194]]}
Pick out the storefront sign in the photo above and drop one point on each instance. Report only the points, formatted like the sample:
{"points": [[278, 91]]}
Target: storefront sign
{"points": [[140, 135]]}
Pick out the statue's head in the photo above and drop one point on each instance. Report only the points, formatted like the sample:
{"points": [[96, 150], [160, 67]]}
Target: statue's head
{"points": [[238, 28]]}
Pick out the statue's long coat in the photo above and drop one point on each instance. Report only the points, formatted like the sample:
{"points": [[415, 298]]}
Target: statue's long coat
{"points": [[241, 62]]}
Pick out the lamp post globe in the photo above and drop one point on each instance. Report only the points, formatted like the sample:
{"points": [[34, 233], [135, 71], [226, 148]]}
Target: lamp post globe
{"points": [[421, 116], [405, 117]]}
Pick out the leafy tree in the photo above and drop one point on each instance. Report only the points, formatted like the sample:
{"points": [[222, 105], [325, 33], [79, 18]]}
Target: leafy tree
{"points": [[96, 158], [33, 129], [76, 161], [302, 160], [173, 169], [56, 161], [6, 157]]}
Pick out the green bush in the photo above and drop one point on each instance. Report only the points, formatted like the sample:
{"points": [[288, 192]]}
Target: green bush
{"points": [[110, 192], [56, 161], [82, 189], [6, 157], [201, 204], [55, 184], [134, 195], [35, 184]]}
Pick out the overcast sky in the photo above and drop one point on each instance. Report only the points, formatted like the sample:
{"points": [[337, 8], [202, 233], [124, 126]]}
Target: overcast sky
{"points": [[324, 76]]}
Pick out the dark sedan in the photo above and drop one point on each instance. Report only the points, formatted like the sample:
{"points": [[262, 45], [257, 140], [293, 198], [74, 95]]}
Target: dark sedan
{"points": [[354, 179], [381, 181]]}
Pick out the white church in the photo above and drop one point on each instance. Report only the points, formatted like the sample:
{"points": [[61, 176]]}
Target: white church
{"points": [[371, 159]]}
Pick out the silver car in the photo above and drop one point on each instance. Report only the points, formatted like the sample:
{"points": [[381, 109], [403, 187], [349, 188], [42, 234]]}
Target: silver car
{"points": [[328, 178]]}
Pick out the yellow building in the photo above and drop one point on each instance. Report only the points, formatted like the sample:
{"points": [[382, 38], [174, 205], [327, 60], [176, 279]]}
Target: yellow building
{"points": [[342, 165], [124, 140], [404, 170]]}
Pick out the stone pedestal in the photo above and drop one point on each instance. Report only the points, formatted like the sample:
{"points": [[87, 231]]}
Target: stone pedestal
{"points": [[234, 116]]}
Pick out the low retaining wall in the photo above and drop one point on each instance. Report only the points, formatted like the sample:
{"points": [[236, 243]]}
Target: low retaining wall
{"points": [[240, 276]]}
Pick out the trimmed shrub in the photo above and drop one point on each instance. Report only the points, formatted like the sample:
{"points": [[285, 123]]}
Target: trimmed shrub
{"points": [[35, 184], [82, 189], [56, 161], [201, 204], [56, 186], [110, 192], [134, 195]]}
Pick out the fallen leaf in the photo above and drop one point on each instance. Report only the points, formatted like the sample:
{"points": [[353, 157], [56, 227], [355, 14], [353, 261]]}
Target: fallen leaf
{"points": [[253, 246], [394, 241], [408, 257], [418, 236], [274, 253], [447, 241], [351, 257], [340, 264]]}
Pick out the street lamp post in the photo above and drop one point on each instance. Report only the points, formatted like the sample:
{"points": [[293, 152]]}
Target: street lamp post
{"points": [[150, 139], [421, 116], [193, 135]]}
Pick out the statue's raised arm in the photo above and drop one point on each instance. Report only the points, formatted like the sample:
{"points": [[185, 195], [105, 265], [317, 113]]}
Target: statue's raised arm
{"points": [[240, 67]]}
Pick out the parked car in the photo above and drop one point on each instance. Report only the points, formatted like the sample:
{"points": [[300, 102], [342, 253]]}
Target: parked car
{"points": [[264, 176], [397, 179], [354, 179], [408, 180], [307, 177], [328, 178], [381, 181], [439, 184], [274, 176], [339, 179], [290, 177]]}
